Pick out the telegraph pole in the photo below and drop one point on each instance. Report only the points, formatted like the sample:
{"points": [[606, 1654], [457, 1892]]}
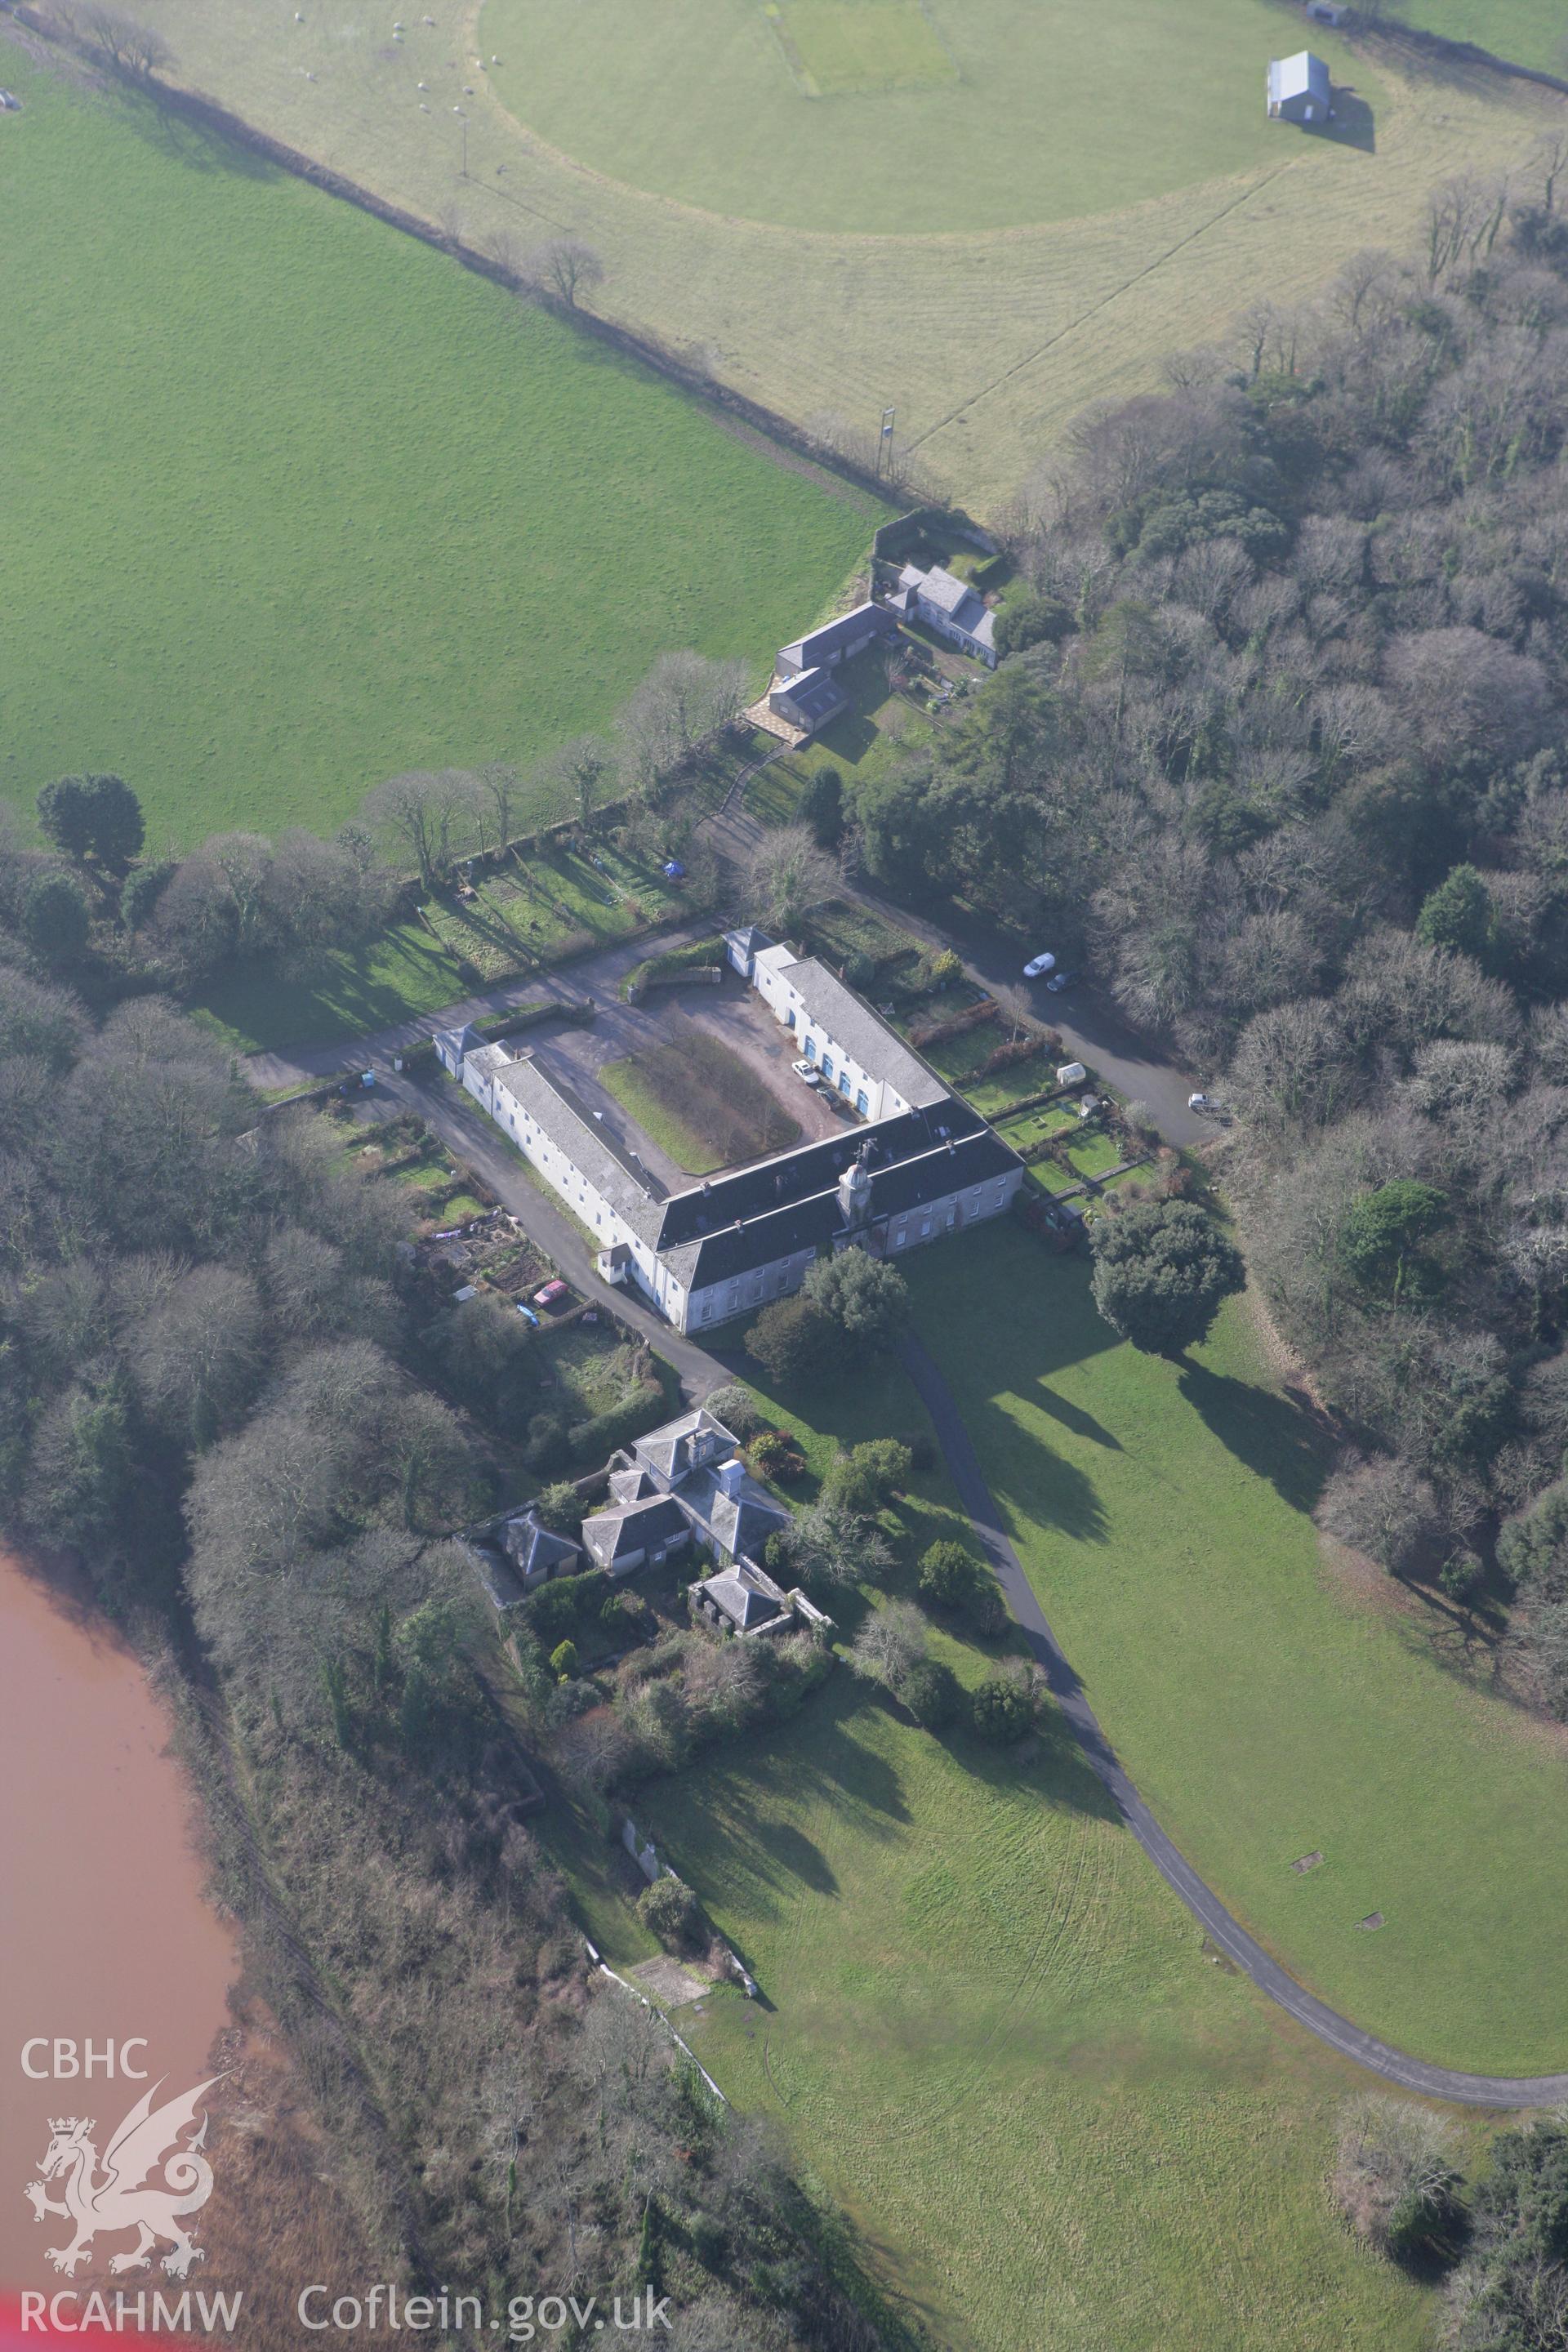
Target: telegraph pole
{"points": [[885, 438]]}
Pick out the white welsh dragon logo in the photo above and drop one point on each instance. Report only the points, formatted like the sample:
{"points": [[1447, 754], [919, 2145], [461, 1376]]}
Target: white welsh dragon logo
{"points": [[123, 2197]]}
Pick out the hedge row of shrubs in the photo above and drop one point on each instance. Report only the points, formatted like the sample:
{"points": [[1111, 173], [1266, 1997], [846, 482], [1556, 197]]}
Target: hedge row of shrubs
{"points": [[937, 1033], [600, 1435], [673, 959]]}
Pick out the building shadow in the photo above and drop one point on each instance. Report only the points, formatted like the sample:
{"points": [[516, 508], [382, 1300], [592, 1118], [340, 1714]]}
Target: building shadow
{"points": [[1353, 125]]}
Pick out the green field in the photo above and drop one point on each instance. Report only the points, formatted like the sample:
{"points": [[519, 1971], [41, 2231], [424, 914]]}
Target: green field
{"points": [[991, 2034], [293, 504], [1265, 1710], [897, 116], [990, 341], [1526, 32]]}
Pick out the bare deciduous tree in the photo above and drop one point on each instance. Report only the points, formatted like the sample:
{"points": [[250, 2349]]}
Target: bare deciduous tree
{"points": [[892, 1641], [130, 48], [564, 269], [428, 815], [789, 876]]}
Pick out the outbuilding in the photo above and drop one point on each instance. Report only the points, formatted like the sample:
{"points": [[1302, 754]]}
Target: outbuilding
{"points": [[1300, 90]]}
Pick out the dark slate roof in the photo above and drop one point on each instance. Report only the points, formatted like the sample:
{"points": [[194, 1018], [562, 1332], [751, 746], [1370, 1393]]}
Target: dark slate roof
{"points": [[812, 693], [916, 1168], [745, 1595], [536, 1550], [611, 1534], [820, 644]]}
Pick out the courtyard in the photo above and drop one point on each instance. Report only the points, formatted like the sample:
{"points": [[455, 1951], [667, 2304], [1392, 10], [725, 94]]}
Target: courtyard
{"points": [[693, 1079]]}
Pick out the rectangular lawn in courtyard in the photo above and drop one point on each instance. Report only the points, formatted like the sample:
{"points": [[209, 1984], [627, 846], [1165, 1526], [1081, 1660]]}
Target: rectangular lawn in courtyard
{"points": [[293, 503], [700, 1104]]}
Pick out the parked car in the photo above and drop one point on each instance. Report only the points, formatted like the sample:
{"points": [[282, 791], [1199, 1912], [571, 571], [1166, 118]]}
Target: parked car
{"points": [[1060, 980], [552, 1294], [1039, 965], [1199, 1102], [808, 1071]]}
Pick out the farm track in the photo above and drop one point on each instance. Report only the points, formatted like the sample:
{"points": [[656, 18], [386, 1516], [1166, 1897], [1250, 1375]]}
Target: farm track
{"points": [[1035, 322]]}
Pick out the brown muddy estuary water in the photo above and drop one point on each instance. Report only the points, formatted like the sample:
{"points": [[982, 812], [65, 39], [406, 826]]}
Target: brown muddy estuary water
{"points": [[106, 1933]]}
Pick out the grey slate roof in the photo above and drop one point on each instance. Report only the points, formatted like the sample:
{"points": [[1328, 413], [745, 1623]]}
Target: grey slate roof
{"points": [[668, 1451], [631, 1527], [942, 588], [631, 1485], [744, 1595], [557, 1111], [820, 644], [861, 1032], [535, 1550], [811, 693]]}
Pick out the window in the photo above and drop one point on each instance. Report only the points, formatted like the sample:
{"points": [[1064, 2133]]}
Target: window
{"points": [[843, 1082], [789, 1018], [861, 1105], [808, 1047], [827, 1066], [925, 1228]]}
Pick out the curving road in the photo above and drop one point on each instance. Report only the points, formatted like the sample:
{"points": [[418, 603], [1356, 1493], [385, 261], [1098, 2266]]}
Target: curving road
{"points": [[1410, 2073]]}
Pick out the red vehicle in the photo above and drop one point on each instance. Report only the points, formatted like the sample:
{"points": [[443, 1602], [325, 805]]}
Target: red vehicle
{"points": [[552, 1294]]}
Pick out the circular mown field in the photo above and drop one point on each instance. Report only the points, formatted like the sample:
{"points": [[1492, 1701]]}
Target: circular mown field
{"points": [[913, 115]]}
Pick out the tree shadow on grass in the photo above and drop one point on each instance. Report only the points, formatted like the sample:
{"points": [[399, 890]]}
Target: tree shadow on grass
{"points": [[1268, 1432], [184, 140], [1038, 1484], [1073, 1417], [1049, 1764]]}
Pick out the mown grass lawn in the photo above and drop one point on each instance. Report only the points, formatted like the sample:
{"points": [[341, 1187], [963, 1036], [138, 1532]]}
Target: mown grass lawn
{"points": [[989, 2032], [995, 2038], [1162, 1512], [293, 503], [826, 114]]}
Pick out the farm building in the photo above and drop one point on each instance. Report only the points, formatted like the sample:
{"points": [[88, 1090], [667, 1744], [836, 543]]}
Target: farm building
{"points": [[950, 607], [1298, 90], [803, 693], [925, 1165]]}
